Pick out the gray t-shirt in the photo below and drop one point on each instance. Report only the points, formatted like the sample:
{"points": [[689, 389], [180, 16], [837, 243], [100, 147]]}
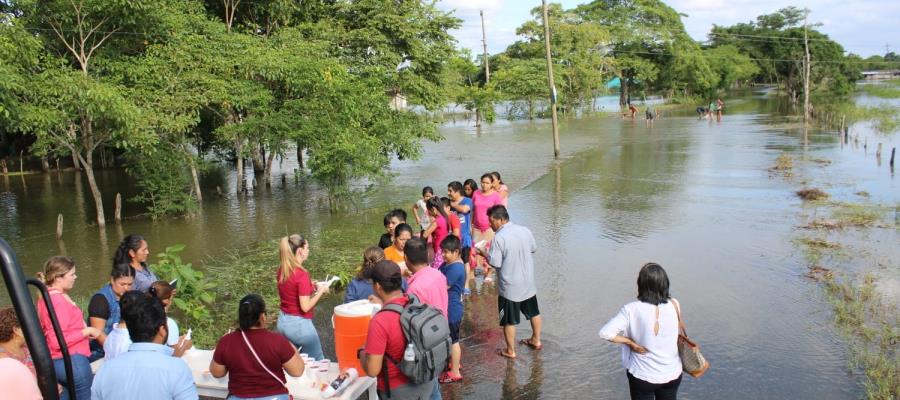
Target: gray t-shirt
{"points": [[510, 254]]}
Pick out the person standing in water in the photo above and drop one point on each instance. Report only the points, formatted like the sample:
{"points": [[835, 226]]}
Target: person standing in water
{"points": [[720, 107]]}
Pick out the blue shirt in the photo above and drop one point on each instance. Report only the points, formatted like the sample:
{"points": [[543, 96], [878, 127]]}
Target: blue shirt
{"points": [[456, 281], [465, 222], [359, 289], [146, 371], [143, 279]]}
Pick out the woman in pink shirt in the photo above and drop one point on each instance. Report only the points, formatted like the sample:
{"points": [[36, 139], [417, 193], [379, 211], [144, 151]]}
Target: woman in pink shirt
{"points": [[484, 199], [59, 276]]}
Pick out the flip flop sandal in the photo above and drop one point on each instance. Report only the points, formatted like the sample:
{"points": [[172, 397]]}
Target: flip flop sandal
{"points": [[529, 343], [448, 377]]}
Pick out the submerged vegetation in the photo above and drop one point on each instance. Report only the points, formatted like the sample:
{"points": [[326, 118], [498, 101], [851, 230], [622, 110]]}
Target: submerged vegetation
{"points": [[868, 321]]}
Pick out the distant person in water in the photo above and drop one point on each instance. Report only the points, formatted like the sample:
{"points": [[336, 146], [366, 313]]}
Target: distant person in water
{"points": [[701, 112], [650, 115], [632, 111], [720, 107]]}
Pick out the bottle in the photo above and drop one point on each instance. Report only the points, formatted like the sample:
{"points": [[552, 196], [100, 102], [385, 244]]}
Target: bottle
{"points": [[340, 383], [410, 353]]}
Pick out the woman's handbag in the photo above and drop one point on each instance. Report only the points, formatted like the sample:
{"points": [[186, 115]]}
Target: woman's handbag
{"points": [[283, 383], [692, 361]]}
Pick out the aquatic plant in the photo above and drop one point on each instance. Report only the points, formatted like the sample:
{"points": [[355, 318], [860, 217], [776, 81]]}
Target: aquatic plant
{"points": [[812, 194], [194, 290], [784, 162]]}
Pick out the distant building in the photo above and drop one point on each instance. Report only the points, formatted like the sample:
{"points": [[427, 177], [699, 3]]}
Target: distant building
{"points": [[881, 75]]}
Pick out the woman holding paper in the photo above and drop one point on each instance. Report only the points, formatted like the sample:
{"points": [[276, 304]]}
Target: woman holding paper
{"points": [[299, 295]]}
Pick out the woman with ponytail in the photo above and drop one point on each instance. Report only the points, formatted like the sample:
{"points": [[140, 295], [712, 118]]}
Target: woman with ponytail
{"points": [[299, 295], [59, 276], [103, 310], [134, 251], [254, 358]]}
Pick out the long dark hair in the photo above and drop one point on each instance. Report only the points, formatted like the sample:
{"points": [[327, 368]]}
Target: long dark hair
{"points": [[251, 307], [653, 284], [471, 184], [121, 271], [437, 204], [131, 242]]}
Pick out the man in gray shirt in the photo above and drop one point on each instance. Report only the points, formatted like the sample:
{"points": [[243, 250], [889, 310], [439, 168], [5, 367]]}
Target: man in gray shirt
{"points": [[510, 254]]}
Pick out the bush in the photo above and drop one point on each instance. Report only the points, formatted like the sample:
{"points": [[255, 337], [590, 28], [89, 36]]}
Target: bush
{"points": [[164, 181], [194, 292]]}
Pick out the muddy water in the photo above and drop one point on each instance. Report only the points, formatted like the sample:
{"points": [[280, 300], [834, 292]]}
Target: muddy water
{"points": [[692, 195]]}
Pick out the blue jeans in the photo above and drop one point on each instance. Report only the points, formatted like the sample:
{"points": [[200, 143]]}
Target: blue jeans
{"points": [[276, 397], [301, 332], [436, 393], [83, 377]]}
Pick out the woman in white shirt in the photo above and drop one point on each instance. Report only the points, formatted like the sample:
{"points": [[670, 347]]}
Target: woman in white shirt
{"points": [[648, 329]]}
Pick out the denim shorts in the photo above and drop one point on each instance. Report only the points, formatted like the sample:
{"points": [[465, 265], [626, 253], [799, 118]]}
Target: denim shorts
{"points": [[302, 333]]}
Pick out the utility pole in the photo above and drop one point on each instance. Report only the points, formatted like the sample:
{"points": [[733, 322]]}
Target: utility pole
{"points": [[487, 63], [550, 79], [806, 67]]}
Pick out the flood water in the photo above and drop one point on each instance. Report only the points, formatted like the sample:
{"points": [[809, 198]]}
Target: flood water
{"points": [[694, 196]]}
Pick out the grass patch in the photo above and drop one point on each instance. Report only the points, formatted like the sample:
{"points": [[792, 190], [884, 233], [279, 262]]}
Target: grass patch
{"points": [[815, 250], [335, 251], [850, 215], [812, 194], [871, 327], [882, 91], [783, 164]]}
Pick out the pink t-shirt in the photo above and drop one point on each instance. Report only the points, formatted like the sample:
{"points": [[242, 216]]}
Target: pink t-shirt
{"points": [[71, 322], [439, 233], [430, 286], [16, 381], [482, 204]]}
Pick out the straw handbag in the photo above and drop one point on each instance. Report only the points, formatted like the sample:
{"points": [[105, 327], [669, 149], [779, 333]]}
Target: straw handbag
{"points": [[692, 361]]}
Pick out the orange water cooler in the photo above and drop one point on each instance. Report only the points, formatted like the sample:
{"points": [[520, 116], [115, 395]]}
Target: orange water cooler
{"points": [[351, 324]]}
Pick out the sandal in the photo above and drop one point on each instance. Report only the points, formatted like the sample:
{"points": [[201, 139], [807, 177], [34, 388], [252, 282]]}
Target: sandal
{"points": [[531, 344], [449, 377]]}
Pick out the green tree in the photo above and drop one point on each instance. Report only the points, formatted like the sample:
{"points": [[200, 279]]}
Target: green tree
{"points": [[730, 65]]}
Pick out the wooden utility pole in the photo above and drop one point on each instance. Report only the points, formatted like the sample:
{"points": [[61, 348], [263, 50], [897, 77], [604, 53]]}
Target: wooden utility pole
{"points": [[550, 79], [806, 109], [487, 63]]}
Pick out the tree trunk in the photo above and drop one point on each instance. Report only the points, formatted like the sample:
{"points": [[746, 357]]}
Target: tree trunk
{"points": [[45, 164], [268, 173], [196, 180], [95, 191], [239, 150], [623, 91], [530, 109], [299, 155], [75, 162], [3, 165], [259, 158]]}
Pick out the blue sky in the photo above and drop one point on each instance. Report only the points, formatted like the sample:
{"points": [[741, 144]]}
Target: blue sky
{"points": [[863, 27]]}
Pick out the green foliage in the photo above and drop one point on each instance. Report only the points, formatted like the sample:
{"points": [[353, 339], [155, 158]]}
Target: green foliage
{"points": [[730, 66], [164, 182], [195, 292]]}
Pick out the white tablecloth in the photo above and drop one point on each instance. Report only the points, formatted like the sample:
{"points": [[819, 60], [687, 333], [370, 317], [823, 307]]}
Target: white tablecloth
{"points": [[301, 388]]}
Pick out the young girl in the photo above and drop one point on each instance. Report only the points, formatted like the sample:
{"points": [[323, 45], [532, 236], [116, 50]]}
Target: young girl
{"points": [[165, 292], [420, 211], [470, 187], [438, 230], [359, 287]]}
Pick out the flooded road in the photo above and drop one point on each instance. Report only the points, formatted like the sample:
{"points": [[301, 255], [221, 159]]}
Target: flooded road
{"points": [[694, 196]]}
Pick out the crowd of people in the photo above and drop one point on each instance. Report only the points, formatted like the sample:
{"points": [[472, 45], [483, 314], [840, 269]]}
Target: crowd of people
{"points": [[129, 327]]}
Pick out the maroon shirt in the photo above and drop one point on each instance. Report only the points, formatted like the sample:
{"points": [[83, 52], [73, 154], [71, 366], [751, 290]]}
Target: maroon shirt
{"points": [[298, 284], [246, 378]]}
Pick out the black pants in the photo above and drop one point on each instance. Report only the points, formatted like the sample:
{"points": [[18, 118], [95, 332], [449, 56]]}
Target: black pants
{"points": [[643, 390]]}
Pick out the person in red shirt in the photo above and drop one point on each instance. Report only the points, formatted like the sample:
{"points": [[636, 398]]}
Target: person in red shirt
{"points": [[236, 354], [299, 295], [385, 342]]}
